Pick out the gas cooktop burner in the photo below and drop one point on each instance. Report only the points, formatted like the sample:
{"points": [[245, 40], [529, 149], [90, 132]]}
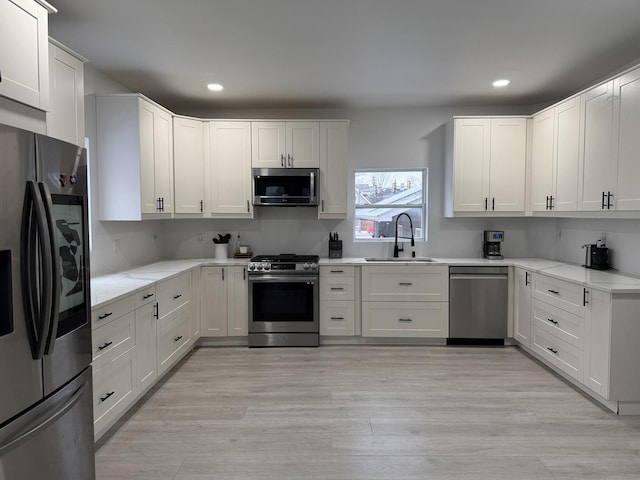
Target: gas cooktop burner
{"points": [[286, 263], [286, 257]]}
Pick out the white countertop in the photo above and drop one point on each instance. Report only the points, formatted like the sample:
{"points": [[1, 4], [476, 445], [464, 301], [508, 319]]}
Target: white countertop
{"points": [[107, 288]]}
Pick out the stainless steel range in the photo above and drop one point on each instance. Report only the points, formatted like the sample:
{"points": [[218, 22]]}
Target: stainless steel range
{"points": [[283, 301]]}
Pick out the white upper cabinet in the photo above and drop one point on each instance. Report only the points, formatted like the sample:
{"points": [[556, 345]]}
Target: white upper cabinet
{"points": [[24, 58], [229, 160], [333, 169], [598, 168], [290, 144], [65, 118], [188, 165], [488, 165], [555, 158], [135, 158], [627, 90]]}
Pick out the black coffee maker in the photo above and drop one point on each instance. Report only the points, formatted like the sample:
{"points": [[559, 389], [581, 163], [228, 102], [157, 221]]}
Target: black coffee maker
{"points": [[491, 242], [596, 256]]}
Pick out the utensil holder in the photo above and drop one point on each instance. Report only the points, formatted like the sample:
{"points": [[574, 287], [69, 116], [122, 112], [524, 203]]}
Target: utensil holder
{"points": [[221, 250], [335, 248]]}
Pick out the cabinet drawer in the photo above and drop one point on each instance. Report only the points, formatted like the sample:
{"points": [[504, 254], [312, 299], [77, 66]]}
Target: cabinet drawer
{"points": [[337, 271], [405, 319], [562, 324], [145, 296], [557, 352], [173, 337], [112, 340], [113, 389], [337, 288], [108, 313], [173, 293], [337, 318], [411, 283], [565, 295]]}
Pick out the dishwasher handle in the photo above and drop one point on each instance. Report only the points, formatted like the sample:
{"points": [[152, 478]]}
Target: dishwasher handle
{"points": [[460, 276]]}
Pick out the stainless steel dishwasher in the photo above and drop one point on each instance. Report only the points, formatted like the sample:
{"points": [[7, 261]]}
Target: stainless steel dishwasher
{"points": [[477, 305]]}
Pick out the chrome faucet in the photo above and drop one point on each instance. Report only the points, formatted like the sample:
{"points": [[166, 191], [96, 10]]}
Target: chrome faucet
{"points": [[396, 249]]}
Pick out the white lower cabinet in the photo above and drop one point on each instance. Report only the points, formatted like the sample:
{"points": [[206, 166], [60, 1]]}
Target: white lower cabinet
{"points": [[173, 337], [405, 301], [146, 346], [557, 352], [338, 300], [522, 301], [224, 306]]}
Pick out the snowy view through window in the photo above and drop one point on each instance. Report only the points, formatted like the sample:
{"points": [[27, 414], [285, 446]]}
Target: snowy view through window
{"points": [[382, 195]]}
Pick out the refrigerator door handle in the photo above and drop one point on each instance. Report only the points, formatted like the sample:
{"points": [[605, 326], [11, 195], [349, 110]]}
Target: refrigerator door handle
{"points": [[37, 305], [13, 439], [55, 269]]}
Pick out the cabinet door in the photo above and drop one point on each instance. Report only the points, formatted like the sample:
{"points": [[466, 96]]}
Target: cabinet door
{"points": [[333, 170], [627, 191], [508, 159], [230, 160], [65, 118], [597, 164], [567, 155], [148, 198], [214, 301], [163, 158], [196, 296], [471, 156], [268, 146], [598, 342], [522, 317], [188, 169], [237, 302], [146, 342], [23, 52], [542, 160], [301, 144]]}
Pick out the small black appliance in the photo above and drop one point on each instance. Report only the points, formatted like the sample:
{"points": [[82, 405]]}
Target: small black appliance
{"points": [[492, 239], [596, 256]]}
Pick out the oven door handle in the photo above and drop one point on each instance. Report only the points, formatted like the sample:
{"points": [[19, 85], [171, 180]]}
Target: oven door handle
{"points": [[283, 279]]}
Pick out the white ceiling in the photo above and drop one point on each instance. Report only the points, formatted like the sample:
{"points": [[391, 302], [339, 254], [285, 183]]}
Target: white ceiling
{"points": [[351, 53]]}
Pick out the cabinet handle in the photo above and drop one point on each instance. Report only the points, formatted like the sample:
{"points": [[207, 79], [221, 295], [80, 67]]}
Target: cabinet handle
{"points": [[102, 317], [603, 200], [244, 273], [322, 205], [201, 206], [526, 278], [156, 314], [405, 320], [551, 205], [493, 203], [555, 322], [337, 271], [405, 284], [290, 160], [223, 274], [282, 159], [555, 292], [609, 195], [547, 205], [177, 338], [337, 318], [0, 76], [584, 297], [104, 345], [337, 288], [248, 208], [555, 352], [175, 297], [486, 203], [158, 204], [104, 399], [148, 295]]}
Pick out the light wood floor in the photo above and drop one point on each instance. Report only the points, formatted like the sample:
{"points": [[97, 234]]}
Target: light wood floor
{"points": [[368, 413]]}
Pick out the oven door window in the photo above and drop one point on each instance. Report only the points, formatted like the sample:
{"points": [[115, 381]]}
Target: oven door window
{"points": [[283, 302], [68, 215]]}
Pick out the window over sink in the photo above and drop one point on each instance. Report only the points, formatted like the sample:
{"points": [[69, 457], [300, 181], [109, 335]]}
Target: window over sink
{"points": [[381, 195]]}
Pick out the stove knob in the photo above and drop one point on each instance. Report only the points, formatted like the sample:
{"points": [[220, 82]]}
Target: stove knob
{"points": [[305, 266], [267, 266], [251, 267], [259, 266], [314, 266]]}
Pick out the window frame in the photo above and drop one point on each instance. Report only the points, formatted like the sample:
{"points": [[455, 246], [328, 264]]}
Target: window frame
{"points": [[423, 206]]}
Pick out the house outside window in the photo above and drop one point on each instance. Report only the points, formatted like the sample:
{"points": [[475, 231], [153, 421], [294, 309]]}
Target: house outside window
{"points": [[382, 195]]}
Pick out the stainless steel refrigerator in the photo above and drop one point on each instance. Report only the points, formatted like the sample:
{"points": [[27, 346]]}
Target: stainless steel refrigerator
{"points": [[46, 400]]}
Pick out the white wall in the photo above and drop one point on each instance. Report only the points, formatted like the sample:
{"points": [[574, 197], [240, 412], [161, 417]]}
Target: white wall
{"points": [[135, 240], [378, 138]]}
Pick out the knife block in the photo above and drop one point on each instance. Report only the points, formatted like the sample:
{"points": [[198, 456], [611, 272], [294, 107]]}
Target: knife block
{"points": [[335, 248]]}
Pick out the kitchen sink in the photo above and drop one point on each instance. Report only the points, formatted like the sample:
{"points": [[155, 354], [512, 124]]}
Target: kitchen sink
{"points": [[401, 259]]}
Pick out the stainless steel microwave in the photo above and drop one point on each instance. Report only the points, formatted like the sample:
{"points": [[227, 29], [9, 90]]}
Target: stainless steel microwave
{"points": [[285, 187]]}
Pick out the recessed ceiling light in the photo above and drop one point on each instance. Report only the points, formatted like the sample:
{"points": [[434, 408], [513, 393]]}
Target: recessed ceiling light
{"points": [[215, 87], [501, 83]]}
